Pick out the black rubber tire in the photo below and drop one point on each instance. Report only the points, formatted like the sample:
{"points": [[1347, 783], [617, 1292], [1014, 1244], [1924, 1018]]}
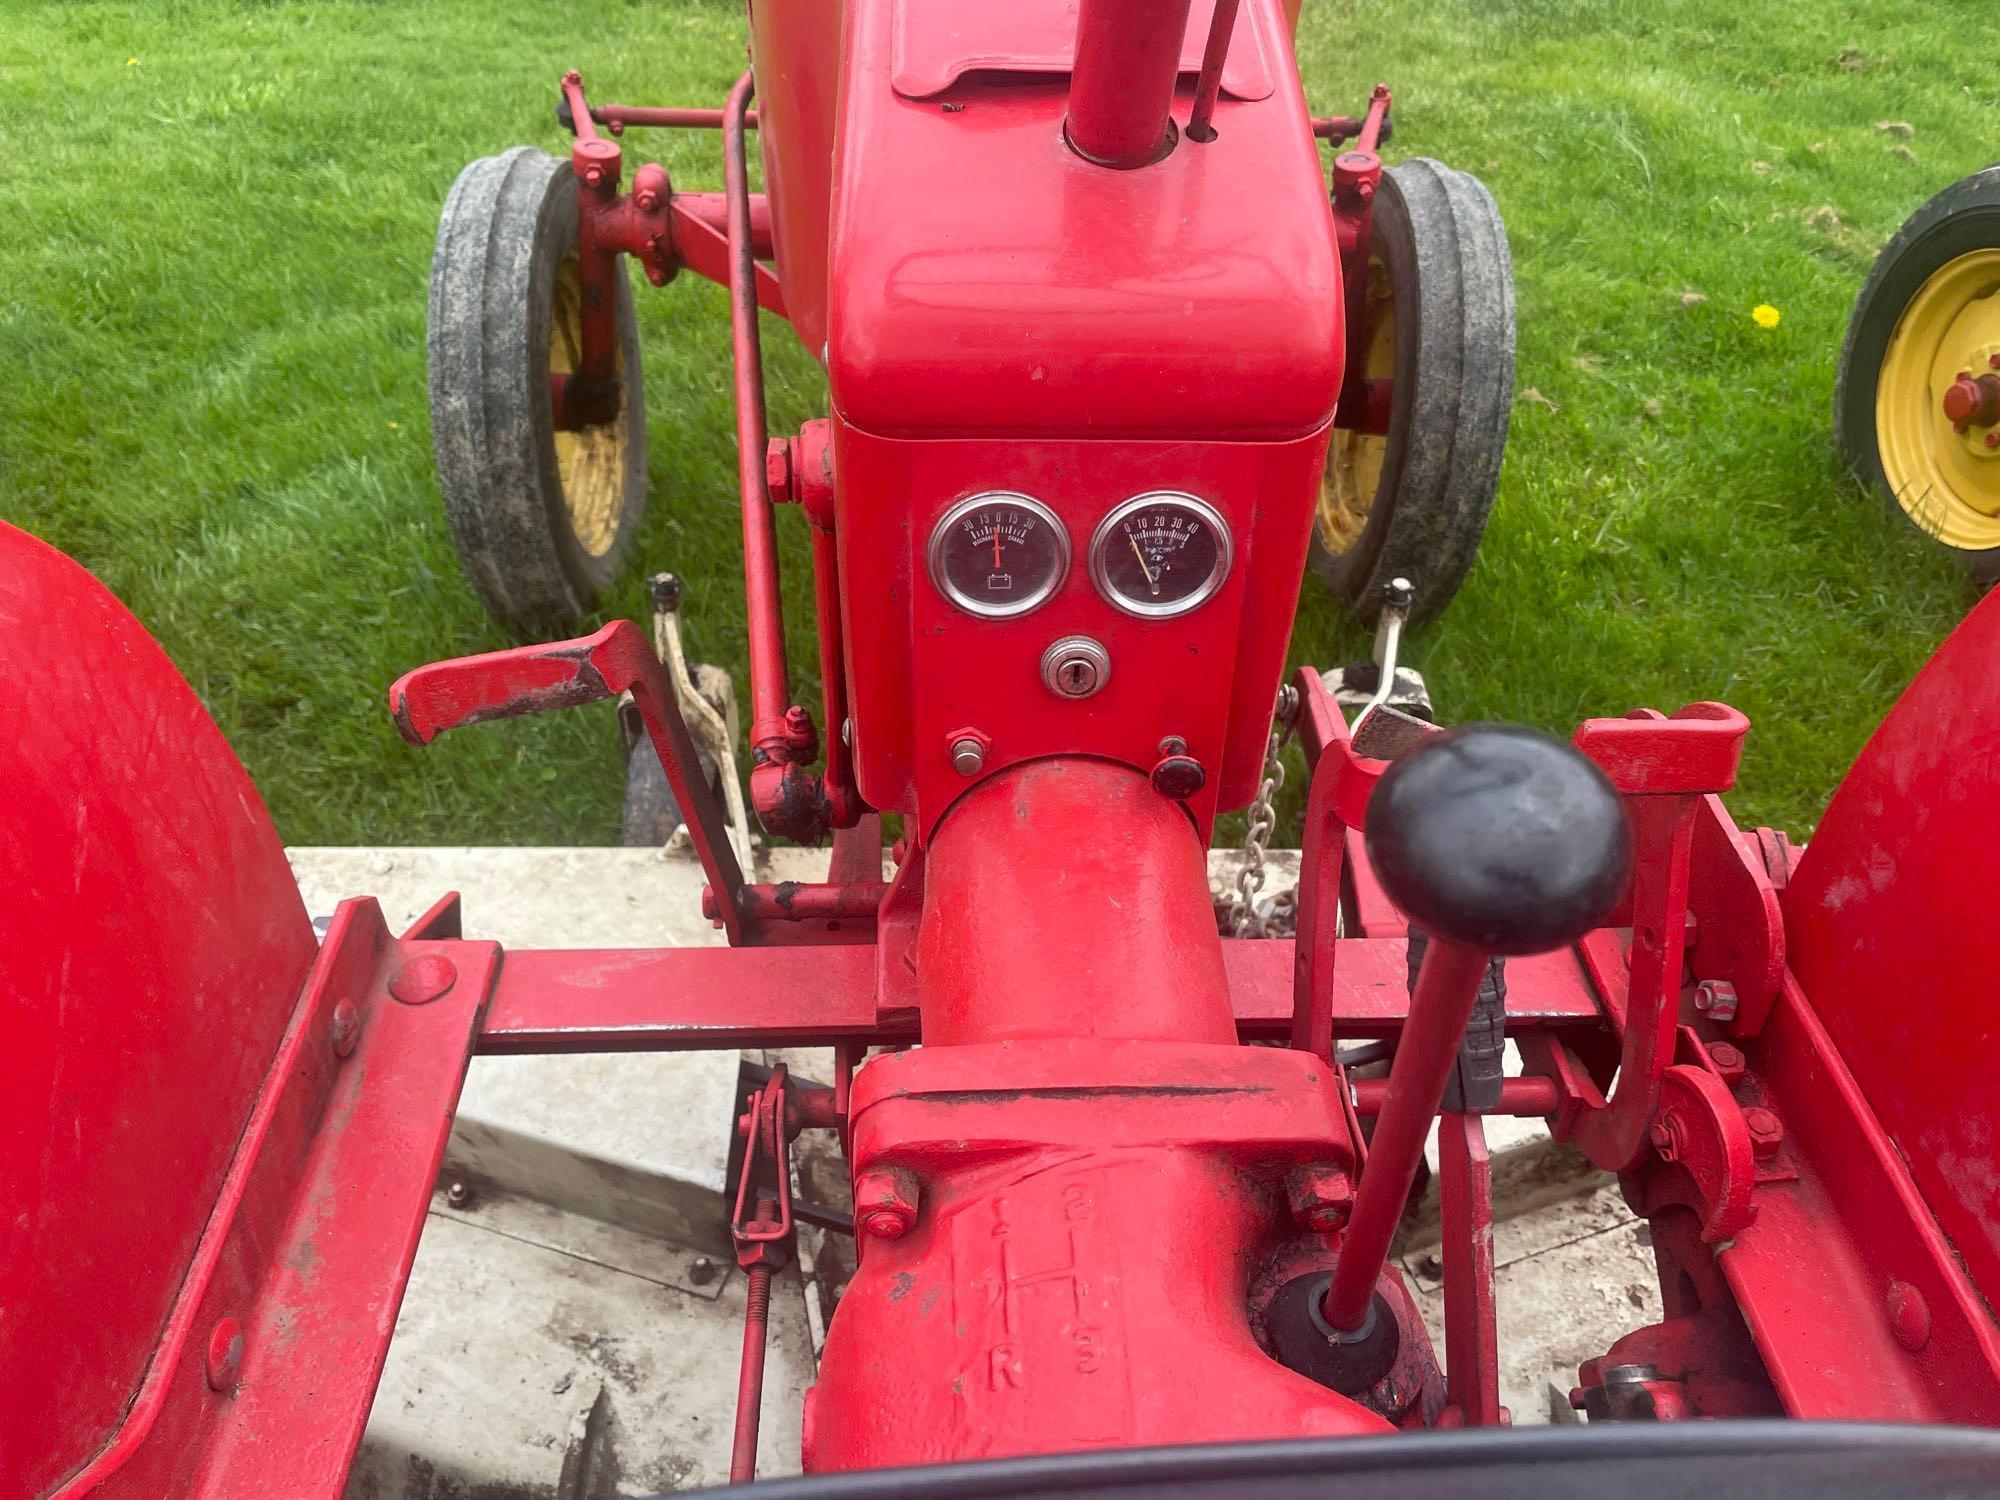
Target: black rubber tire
{"points": [[1439, 237], [508, 225], [651, 812], [1963, 218]]}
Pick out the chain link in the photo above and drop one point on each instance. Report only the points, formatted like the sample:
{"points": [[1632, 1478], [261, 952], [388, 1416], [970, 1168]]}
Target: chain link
{"points": [[1244, 920]]}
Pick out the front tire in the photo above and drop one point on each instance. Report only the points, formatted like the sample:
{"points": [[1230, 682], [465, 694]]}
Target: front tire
{"points": [[1412, 502], [1929, 314], [542, 519]]}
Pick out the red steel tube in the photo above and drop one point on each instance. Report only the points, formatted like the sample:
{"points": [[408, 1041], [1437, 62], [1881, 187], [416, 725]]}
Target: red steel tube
{"points": [[620, 115], [843, 802], [1447, 989], [1128, 57], [1528, 1097], [770, 693], [1209, 85]]}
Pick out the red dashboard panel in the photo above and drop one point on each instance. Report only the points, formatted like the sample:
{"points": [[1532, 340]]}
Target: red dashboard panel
{"points": [[1209, 676]]}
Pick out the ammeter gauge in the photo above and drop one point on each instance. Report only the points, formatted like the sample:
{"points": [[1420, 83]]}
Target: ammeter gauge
{"points": [[999, 554]]}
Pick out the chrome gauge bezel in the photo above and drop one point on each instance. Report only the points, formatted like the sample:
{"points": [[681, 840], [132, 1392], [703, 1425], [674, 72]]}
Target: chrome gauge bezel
{"points": [[1145, 609], [941, 537]]}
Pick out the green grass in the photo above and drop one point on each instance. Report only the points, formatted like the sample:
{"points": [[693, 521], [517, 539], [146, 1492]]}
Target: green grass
{"points": [[217, 260]]}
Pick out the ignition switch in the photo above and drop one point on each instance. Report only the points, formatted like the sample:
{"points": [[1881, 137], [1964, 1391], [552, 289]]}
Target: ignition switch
{"points": [[1075, 667]]}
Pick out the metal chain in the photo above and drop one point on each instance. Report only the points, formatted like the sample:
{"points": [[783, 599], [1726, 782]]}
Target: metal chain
{"points": [[1244, 921]]}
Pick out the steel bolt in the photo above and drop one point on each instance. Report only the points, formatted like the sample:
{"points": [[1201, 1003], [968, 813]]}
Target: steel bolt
{"points": [[458, 1194], [885, 1201], [1767, 1132], [225, 1354], [968, 757], [1320, 1197], [423, 979], [1728, 1061], [1664, 1138], [702, 1272], [778, 470], [1716, 999], [345, 1029]]}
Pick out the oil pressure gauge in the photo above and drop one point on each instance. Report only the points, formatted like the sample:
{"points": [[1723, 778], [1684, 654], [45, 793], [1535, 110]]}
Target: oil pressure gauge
{"points": [[999, 554], [1160, 554]]}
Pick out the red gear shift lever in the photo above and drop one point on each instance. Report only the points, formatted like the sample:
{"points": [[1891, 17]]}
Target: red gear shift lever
{"points": [[1492, 839]]}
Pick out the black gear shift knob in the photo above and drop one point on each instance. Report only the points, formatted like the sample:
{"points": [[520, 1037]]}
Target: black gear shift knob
{"points": [[1500, 838]]}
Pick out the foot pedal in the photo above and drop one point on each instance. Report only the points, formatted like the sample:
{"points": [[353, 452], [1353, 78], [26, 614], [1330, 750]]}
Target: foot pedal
{"points": [[1354, 685]]}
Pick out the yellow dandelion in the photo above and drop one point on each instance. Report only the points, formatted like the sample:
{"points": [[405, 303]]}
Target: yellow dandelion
{"points": [[393, 427], [1764, 315], [131, 62]]}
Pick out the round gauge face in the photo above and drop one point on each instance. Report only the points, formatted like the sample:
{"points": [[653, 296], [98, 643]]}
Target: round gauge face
{"points": [[999, 554], [1160, 554]]}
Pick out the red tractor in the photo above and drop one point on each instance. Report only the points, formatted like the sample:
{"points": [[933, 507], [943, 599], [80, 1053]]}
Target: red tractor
{"points": [[1123, 1214]]}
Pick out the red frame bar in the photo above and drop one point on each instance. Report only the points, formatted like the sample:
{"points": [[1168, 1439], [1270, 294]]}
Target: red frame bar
{"points": [[691, 999]]}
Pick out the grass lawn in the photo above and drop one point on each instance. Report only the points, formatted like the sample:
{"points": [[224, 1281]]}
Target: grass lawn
{"points": [[216, 225]]}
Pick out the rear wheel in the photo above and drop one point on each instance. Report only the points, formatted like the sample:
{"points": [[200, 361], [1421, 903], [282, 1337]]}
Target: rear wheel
{"points": [[1412, 502], [1917, 405], [542, 518]]}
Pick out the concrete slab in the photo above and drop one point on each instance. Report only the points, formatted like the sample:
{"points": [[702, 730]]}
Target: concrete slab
{"points": [[599, 1180]]}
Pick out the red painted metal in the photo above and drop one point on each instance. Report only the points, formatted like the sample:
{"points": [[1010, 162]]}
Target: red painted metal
{"points": [[1971, 401], [1208, 87], [136, 985], [1128, 56], [1088, 268], [1357, 173], [1471, 1330], [1887, 932], [1078, 1198], [533, 679], [1532, 1097], [761, 1227], [615, 117], [796, 50], [1135, 924], [681, 999], [1447, 988], [789, 800]]}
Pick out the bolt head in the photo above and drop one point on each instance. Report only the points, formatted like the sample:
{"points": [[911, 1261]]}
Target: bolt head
{"points": [[1767, 1132], [458, 1194], [702, 1271], [423, 979], [885, 1201], [1728, 1060], [1320, 1197], [1662, 1137], [345, 1029], [225, 1354], [1909, 1316], [968, 757]]}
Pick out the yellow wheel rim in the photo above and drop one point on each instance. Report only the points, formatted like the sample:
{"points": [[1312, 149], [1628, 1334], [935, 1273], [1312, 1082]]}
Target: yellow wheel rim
{"points": [[1946, 480], [1354, 459], [590, 462]]}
